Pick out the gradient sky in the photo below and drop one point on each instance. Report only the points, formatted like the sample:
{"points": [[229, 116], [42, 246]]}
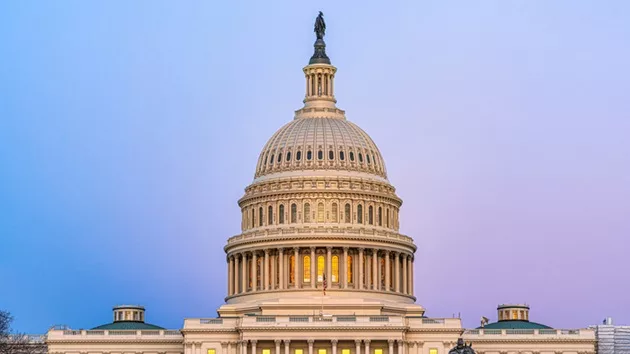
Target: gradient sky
{"points": [[129, 129]]}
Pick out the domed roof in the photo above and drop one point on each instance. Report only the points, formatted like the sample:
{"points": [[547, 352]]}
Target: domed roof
{"points": [[320, 143], [514, 324], [126, 325]]}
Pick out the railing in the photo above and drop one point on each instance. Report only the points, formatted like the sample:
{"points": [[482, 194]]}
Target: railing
{"points": [[519, 331], [588, 333], [346, 319], [379, 318], [123, 333], [211, 321], [432, 320], [53, 334], [547, 331], [95, 333], [265, 319], [298, 319], [319, 231]]}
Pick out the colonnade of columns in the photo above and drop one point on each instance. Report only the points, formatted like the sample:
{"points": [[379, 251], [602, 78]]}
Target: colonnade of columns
{"points": [[358, 346], [307, 267]]}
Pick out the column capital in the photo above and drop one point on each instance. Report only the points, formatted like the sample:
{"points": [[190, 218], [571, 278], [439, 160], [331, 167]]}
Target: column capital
{"points": [[267, 251], [346, 248], [334, 341], [311, 341], [312, 248], [361, 249], [278, 341], [253, 341], [286, 341], [328, 248], [296, 249], [367, 341], [391, 341], [357, 341], [224, 344], [420, 343], [387, 252], [280, 249]]}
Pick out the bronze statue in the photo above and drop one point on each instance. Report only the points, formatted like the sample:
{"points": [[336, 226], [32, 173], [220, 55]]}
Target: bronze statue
{"points": [[320, 26], [462, 348]]}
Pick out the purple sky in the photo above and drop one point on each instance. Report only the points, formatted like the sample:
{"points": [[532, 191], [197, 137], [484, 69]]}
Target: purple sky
{"points": [[128, 131]]}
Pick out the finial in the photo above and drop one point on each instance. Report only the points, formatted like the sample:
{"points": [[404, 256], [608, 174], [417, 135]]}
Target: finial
{"points": [[320, 57]]}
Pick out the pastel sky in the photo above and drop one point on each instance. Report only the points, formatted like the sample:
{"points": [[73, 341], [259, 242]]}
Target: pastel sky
{"points": [[129, 129]]}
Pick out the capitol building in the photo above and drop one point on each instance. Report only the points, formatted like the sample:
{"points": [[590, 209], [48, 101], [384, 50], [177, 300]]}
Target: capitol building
{"points": [[320, 266]]}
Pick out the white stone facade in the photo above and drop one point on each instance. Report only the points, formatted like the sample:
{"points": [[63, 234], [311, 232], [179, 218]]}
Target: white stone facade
{"points": [[320, 210]]}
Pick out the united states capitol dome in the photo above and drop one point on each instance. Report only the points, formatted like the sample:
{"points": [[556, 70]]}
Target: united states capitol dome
{"points": [[320, 142]]}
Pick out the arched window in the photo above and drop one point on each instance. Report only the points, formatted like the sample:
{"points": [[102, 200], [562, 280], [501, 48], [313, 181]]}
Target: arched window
{"points": [[360, 158], [331, 155], [379, 216], [306, 265], [309, 155], [320, 155], [260, 217], [335, 269], [270, 215], [281, 214], [266, 157], [289, 156], [387, 217], [307, 212], [321, 262], [334, 213], [298, 155], [360, 214], [292, 269], [271, 159], [351, 156], [320, 212], [341, 156], [293, 213], [346, 213], [253, 217], [367, 157], [280, 157], [370, 215], [349, 269]]}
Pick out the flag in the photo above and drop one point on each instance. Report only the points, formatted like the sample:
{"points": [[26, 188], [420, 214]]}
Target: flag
{"points": [[324, 282]]}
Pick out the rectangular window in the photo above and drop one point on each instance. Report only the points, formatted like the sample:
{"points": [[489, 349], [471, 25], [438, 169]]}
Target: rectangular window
{"points": [[433, 351], [212, 351], [321, 351], [266, 351], [298, 351], [378, 351], [345, 351]]}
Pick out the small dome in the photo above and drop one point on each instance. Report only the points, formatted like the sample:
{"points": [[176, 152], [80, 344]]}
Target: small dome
{"points": [[320, 144]]}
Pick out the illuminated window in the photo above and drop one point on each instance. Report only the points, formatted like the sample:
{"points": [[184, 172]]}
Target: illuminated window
{"points": [[515, 315], [293, 213], [266, 351], [349, 271], [212, 351], [270, 215], [378, 351], [281, 214], [320, 212], [347, 213], [298, 351], [307, 212], [335, 269], [334, 212], [321, 351], [360, 214], [291, 269], [320, 268], [345, 351], [433, 351], [306, 264]]}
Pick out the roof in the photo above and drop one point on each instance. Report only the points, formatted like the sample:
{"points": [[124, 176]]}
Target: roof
{"points": [[514, 324], [122, 325]]}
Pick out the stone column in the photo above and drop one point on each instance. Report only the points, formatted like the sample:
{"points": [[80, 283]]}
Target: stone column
{"points": [[379, 272], [286, 346], [345, 268], [397, 272], [368, 270], [274, 271], [391, 346], [281, 268], [357, 343], [310, 346], [401, 347], [334, 346], [360, 269], [253, 345], [411, 275], [367, 346], [244, 274], [266, 270], [404, 274], [254, 271], [229, 277], [244, 347], [236, 265], [387, 271], [277, 341], [375, 280], [224, 347], [296, 266], [313, 269], [329, 279]]}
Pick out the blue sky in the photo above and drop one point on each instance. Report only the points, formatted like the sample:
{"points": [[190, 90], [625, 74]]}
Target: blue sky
{"points": [[128, 131]]}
